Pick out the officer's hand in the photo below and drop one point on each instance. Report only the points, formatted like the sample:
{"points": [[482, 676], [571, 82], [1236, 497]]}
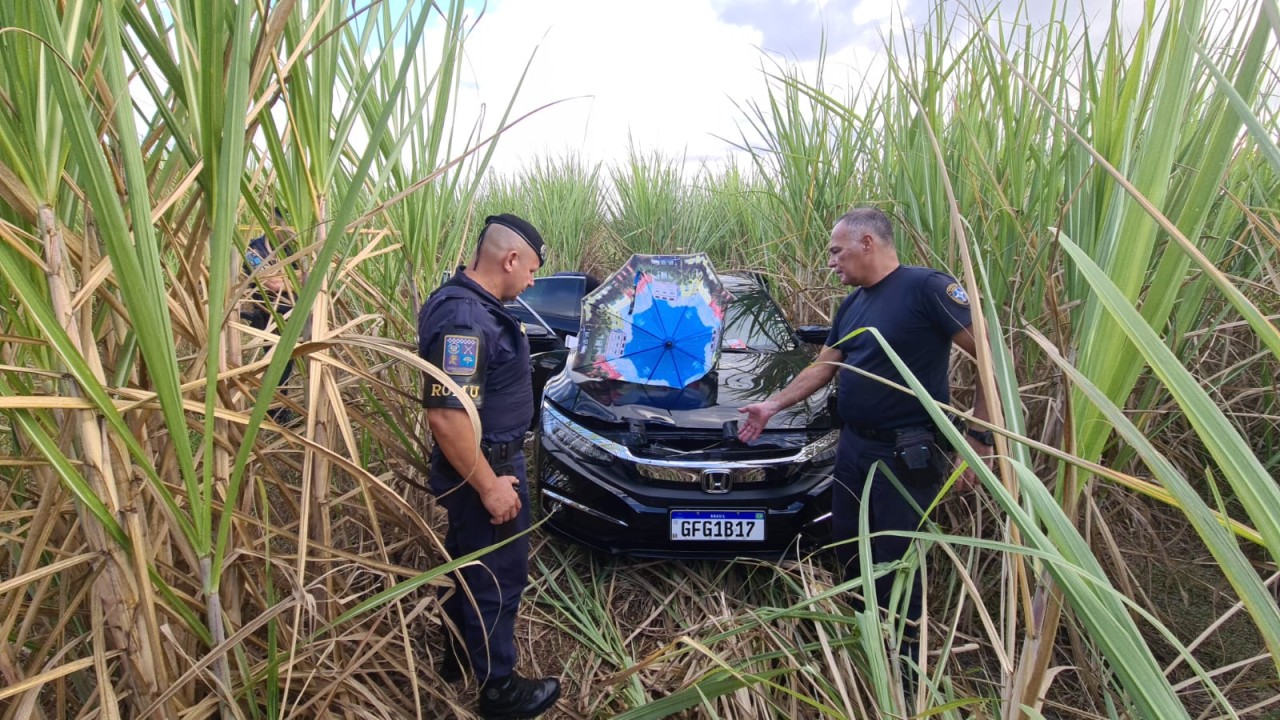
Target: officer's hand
{"points": [[757, 417], [968, 480], [501, 499], [273, 283]]}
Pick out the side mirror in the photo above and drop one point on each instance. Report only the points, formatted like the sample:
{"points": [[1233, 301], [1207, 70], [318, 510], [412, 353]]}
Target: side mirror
{"points": [[536, 332], [813, 334]]}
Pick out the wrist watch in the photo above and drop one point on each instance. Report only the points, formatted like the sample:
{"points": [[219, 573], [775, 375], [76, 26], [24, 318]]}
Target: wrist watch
{"points": [[986, 437]]}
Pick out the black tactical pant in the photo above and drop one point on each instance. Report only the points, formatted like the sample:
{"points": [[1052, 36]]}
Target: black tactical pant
{"points": [[888, 510], [257, 318], [486, 597]]}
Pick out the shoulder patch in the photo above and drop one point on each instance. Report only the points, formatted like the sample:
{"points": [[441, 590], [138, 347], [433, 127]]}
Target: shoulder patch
{"points": [[460, 353], [957, 294]]}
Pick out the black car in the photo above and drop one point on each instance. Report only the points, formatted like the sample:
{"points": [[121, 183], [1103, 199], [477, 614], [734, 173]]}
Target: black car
{"points": [[557, 300], [655, 471]]}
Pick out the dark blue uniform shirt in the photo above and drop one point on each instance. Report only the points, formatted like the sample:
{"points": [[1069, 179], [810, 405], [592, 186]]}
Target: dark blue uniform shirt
{"points": [[917, 310], [467, 333], [259, 252]]}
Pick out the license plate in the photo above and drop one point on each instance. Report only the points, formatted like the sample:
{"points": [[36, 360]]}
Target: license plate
{"points": [[729, 525]]}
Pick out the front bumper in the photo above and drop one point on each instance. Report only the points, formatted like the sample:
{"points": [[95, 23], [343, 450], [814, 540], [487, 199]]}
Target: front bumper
{"points": [[606, 505]]}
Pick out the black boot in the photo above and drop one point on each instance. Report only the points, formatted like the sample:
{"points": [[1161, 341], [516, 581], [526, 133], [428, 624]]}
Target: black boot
{"points": [[517, 698], [282, 416]]}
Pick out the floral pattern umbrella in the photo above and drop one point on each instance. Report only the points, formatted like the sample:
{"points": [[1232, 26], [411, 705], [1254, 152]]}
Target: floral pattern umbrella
{"points": [[656, 321]]}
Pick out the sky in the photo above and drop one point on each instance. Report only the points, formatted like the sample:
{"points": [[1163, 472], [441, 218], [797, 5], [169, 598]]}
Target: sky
{"points": [[667, 75]]}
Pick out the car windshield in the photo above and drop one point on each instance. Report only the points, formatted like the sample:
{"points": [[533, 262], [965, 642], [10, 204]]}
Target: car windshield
{"points": [[754, 322]]}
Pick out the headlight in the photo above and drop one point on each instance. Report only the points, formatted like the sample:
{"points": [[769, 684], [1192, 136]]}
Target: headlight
{"points": [[574, 438], [824, 449]]}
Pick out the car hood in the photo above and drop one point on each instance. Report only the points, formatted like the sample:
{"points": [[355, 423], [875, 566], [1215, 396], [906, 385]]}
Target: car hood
{"points": [[740, 379]]}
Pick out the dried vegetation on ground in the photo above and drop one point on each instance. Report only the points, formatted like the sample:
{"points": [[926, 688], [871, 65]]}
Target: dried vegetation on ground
{"points": [[167, 551]]}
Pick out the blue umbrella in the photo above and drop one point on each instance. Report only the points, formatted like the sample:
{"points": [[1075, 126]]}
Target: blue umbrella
{"points": [[656, 321]]}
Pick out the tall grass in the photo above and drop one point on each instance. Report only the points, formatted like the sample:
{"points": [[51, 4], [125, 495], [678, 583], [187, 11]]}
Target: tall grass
{"points": [[1065, 175], [169, 551], [808, 157], [175, 552], [565, 200]]}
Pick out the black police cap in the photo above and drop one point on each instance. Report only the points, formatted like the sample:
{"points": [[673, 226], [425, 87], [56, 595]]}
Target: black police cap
{"points": [[521, 227]]}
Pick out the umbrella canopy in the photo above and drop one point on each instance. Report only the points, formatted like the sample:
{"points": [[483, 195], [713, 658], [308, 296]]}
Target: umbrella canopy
{"points": [[656, 321]]}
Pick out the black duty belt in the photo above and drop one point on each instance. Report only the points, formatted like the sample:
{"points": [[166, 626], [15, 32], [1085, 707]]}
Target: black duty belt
{"points": [[502, 454], [890, 437], [874, 434]]}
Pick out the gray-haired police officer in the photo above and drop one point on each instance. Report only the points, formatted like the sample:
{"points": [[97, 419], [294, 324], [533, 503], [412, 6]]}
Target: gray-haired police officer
{"points": [[921, 313], [464, 330]]}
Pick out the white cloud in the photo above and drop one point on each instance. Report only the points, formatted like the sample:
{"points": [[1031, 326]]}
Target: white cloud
{"points": [[664, 74], [878, 12]]}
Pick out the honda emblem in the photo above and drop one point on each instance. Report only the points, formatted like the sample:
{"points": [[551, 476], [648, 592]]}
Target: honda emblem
{"points": [[716, 482]]}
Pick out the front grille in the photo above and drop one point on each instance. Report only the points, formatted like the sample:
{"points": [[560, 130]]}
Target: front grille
{"points": [[664, 476], [695, 449], [668, 442]]}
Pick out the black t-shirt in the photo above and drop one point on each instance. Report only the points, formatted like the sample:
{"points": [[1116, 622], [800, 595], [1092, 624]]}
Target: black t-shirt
{"points": [[917, 310], [467, 333]]}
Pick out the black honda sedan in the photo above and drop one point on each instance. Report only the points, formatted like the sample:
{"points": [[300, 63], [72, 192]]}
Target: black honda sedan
{"points": [[656, 471]]}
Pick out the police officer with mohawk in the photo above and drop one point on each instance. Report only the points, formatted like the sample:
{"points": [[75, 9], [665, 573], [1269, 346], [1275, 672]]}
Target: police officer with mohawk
{"points": [[464, 329]]}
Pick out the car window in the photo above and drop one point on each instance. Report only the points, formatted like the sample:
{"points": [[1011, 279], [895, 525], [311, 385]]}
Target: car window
{"points": [[754, 322], [560, 296]]}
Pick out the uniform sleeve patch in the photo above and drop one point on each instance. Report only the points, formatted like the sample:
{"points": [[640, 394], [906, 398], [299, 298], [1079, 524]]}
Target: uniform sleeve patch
{"points": [[460, 354], [957, 294]]}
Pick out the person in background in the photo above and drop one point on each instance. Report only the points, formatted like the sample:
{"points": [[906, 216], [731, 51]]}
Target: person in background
{"points": [[264, 267], [920, 313], [465, 330]]}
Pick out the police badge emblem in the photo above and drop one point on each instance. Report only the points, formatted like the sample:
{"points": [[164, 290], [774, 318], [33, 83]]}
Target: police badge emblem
{"points": [[957, 294], [460, 354]]}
